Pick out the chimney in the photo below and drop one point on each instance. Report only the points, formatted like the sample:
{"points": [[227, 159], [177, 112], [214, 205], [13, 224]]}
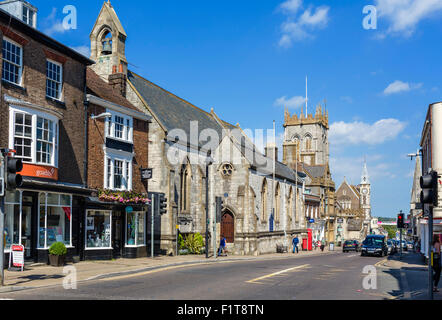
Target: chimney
{"points": [[118, 80], [271, 151]]}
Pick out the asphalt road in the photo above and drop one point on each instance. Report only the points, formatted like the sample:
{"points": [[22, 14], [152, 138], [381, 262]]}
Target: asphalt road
{"points": [[336, 276]]}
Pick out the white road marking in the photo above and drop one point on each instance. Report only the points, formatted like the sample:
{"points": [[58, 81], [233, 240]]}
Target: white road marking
{"points": [[277, 273]]}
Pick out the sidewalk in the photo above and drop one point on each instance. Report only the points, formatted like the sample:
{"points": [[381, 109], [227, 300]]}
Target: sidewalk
{"points": [[411, 261], [38, 275]]}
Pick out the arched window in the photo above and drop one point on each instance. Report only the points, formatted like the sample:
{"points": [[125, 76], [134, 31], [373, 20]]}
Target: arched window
{"points": [[308, 142], [290, 209], [277, 202], [106, 42], [185, 188], [264, 201]]}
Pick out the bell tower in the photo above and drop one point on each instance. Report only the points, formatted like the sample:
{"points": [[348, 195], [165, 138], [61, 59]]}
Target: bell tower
{"points": [[365, 189], [108, 44]]}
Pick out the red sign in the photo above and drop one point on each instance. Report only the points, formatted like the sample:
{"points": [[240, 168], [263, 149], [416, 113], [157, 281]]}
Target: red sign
{"points": [[37, 171], [17, 256]]}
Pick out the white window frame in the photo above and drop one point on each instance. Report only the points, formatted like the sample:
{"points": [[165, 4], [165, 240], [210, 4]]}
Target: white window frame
{"points": [[85, 233], [35, 114], [60, 97], [31, 15], [45, 247], [127, 129], [127, 159], [20, 72]]}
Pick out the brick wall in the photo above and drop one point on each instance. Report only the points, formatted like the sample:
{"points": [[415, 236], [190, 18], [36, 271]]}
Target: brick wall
{"points": [[96, 140], [71, 127]]}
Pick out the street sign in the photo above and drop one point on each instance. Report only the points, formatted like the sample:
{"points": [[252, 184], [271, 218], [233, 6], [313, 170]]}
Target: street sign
{"points": [[17, 256], [146, 174], [311, 221]]}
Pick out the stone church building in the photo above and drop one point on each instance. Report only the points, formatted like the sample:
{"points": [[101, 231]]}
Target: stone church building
{"points": [[190, 150]]}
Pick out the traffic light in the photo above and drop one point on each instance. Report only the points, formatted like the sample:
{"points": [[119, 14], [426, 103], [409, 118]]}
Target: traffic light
{"points": [[163, 204], [219, 208], [429, 194], [12, 167], [400, 221]]}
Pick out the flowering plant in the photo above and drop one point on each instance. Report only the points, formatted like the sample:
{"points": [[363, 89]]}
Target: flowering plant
{"points": [[123, 197]]}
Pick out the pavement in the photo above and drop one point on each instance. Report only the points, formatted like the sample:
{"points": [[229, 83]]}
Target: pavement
{"points": [[411, 261], [40, 275]]}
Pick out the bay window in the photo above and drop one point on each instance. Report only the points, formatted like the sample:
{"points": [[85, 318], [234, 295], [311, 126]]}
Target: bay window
{"points": [[34, 135], [135, 235], [118, 171], [98, 229], [55, 219]]}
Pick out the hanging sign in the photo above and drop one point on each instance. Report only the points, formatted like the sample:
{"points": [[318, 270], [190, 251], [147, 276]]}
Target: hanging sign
{"points": [[146, 174], [17, 256]]}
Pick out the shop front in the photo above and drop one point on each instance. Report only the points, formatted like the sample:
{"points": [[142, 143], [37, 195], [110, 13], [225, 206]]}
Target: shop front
{"points": [[113, 231], [37, 219]]}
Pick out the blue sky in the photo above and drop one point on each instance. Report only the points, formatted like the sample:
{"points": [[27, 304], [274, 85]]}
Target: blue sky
{"points": [[244, 57]]}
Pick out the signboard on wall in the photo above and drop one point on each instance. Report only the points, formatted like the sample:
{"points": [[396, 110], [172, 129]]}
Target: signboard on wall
{"points": [[38, 171]]}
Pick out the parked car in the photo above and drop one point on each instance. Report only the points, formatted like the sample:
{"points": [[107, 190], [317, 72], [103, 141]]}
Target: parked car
{"points": [[391, 247], [410, 245], [374, 245], [351, 245], [404, 245]]}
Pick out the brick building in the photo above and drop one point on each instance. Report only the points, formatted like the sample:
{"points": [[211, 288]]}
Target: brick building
{"points": [[42, 94], [117, 151]]}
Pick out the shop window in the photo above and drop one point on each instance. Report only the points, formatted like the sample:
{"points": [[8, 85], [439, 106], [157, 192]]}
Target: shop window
{"points": [[55, 220], [98, 229], [12, 219], [135, 235]]}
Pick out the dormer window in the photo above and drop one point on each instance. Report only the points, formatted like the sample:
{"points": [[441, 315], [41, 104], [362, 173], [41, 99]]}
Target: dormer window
{"points": [[29, 16]]}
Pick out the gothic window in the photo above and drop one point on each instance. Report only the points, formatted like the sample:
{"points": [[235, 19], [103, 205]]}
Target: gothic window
{"points": [[277, 202], [227, 170], [308, 142], [290, 211], [185, 189], [264, 201]]}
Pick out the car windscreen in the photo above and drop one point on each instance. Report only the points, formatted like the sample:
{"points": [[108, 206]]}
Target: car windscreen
{"points": [[374, 242]]}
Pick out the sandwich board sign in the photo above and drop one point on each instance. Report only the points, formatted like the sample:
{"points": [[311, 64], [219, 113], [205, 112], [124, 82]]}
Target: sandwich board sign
{"points": [[17, 256]]}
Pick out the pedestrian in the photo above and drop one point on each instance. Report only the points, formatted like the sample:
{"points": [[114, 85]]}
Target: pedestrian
{"points": [[322, 245], [436, 262], [295, 242], [222, 245]]}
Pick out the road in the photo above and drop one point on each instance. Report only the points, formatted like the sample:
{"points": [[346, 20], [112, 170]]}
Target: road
{"points": [[335, 276]]}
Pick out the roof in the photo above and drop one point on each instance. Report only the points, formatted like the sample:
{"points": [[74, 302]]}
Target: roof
{"points": [[100, 88], [173, 112], [317, 171]]}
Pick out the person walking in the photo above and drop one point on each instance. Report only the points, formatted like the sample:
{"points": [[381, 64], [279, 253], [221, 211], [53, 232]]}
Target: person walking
{"points": [[436, 262], [295, 242], [322, 245], [222, 245]]}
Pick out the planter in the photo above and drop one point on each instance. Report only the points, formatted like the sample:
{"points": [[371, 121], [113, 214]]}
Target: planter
{"points": [[56, 261]]}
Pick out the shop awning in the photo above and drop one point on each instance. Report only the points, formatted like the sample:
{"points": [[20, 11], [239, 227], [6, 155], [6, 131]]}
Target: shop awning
{"points": [[52, 186]]}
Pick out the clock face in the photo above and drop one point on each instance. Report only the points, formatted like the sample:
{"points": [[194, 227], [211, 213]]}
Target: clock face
{"points": [[364, 191]]}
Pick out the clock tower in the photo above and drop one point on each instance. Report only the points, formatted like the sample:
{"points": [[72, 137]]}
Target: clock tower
{"points": [[365, 189]]}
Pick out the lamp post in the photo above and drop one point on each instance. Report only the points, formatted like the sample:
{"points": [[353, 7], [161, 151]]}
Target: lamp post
{"points": [[209, 162]]}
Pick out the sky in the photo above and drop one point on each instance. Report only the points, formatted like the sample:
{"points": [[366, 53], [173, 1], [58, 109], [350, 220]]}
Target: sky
{"points": [[376, 63]]}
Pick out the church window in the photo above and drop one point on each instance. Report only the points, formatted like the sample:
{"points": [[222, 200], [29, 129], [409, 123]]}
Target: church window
{"points": [[308, 143], [227, 170], [264, 201], [185, 189], [277, 202]]}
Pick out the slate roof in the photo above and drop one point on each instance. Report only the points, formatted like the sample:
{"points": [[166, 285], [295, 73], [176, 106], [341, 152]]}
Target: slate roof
{"points": [[174, 112], [100, 88], [315, 171]]}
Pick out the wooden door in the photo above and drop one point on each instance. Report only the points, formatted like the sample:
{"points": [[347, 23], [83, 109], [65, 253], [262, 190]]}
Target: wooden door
{"points": [[228, 227]]}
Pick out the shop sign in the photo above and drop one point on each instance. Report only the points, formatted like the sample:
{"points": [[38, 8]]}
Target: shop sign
{"points": [[38, 171], [17, 256], [129, 209], [146, 174], [311, 221]]}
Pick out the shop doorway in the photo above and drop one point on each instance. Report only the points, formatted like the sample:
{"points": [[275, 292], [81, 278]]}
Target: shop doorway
{"points": [[29, 226], [228, 226], [117, 235]]}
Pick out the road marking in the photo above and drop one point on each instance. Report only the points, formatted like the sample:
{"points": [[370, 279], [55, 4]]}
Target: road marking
{"points": [[381, 263], [277, 273]]}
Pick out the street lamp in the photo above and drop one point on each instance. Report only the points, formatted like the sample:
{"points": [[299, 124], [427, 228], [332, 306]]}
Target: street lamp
{"points": [[209, 162]]}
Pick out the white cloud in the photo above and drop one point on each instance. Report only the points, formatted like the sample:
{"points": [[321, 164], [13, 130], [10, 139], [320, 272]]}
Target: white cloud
{"points": [[51, 25], [342, 133], [84, 50], [405, 15], [296, 28], [399, 86], [291, 103]]}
